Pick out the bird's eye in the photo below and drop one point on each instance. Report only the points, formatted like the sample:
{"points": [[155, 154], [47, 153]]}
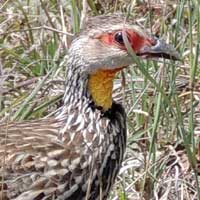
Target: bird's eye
{"points": [[119, 38]]}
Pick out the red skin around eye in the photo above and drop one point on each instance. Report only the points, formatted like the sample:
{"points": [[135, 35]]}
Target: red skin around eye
{"points": [[136, 41]]}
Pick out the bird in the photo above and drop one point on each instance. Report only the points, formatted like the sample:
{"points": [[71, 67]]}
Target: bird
{"points": [[77, 154]]}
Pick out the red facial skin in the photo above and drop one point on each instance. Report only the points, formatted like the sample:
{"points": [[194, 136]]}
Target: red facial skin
{"points": [[136, 41]]}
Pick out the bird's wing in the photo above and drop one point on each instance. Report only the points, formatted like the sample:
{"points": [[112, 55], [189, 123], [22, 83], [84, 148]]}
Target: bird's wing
{"points": [[35, 162]]}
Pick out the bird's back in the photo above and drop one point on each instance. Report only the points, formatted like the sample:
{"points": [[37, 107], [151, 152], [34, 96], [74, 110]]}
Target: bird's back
{"points": [[73, 157]]}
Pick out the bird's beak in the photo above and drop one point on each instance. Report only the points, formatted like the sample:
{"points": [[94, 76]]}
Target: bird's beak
{"points": [[159, 49]]}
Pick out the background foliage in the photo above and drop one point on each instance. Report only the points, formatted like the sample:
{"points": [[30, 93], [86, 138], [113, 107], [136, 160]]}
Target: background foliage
{"points": [[163, 154]]}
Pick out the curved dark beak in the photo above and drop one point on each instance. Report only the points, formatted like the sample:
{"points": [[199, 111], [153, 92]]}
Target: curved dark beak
{"points": [[160, 49]]}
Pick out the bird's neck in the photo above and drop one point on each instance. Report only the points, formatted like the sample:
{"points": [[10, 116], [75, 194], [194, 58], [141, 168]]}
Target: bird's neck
{"points": [[100, 86], [95, 88]]}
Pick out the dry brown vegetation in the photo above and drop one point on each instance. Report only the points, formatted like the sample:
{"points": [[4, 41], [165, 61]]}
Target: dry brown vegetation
{"points": [[163, 154]]}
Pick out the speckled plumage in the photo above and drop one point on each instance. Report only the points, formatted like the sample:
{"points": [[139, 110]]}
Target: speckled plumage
{"points": [[61, 158]]}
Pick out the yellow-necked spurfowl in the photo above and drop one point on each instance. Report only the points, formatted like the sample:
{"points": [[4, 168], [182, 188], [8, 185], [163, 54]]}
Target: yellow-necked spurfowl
{"points": [[77, 155]]}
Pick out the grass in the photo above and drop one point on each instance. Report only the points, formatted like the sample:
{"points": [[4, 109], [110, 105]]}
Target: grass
{"points": [[162, 99]]}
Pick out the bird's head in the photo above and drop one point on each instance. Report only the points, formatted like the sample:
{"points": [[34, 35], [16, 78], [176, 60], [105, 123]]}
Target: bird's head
{"points": [[100, 51]]}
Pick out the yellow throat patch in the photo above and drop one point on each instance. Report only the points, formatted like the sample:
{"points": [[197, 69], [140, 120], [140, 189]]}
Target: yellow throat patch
{"points": [[100, 85]]}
